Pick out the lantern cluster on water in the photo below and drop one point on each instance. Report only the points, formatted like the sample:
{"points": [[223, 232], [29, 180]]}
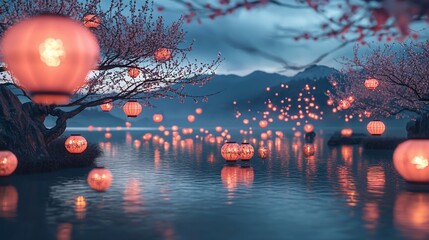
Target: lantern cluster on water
{"points": [[232, 151]]}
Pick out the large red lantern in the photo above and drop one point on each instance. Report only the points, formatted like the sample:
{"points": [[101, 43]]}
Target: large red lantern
{"points": [[376, 127], [132, 108], [91, 21], [308, 127], [75, 143], [106, 106], [371, 83], [162, 54], [411, 160], [246, 151], [8, 163], [230, 151], [49, 56], [133, 72], [100, 179], [157, 117]]}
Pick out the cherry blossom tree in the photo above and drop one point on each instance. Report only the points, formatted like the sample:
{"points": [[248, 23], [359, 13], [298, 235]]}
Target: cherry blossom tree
{"points": [[401, 70], [129, 35]]}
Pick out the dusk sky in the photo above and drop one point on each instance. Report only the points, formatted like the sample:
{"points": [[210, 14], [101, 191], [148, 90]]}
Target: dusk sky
{"points": [[258, 28]]}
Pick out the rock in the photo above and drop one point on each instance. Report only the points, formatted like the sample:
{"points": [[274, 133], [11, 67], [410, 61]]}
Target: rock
{"points": [[337, 139]]}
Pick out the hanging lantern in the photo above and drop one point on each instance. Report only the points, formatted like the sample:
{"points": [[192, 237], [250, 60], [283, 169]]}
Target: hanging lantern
{"points": [[263, 152], [157, 117], [75, 143], [198, 111], [344, 104], [106, 106], [330, 102], [42, 53], [246, 151], [100, 179], [230, 151], [376, 127], [308, 127], [8, 163], [191, 118], [346, 132], [132, 108], [308, 149], [263, 123], [133, 72], [91, 21], [371, 83], [162, 54], [411, 160]]}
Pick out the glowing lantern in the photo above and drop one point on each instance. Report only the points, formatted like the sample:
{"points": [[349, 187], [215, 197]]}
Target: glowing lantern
{"points": [[308, 149], [41, 52], [133, 72], [132, 108], [218, 129], [80, 201], [162, 54], [230, 151], [246, 121], [410, 159], [100, 179], [376, 127], [246, 152], [127, 124], [191, 118], [263, 123], [107, 135], [344, 104], [330, 102], [198, 111], [263, 152], [107, 106], [346, 132], [75, 143], [371, 83], [91, 21], [175, 128], [8, 163], [308, 128]]}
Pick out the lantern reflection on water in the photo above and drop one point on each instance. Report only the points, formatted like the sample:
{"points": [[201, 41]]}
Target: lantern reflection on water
{"points": [[8, 201], [411, 214], [263, 152], [308, 149]]}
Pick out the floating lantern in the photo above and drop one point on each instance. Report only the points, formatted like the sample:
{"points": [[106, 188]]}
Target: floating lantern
{"points": [[157, 117], [371, 83], [162, 54], [75, 143], [308, 149], [263, 123], [107, 135], [330, 102], [246, 121], [106, 106], [230, 151], [100, 179], [198, 111], [133, 72], [376, 127], [91, 21], [218, 129], [175, 128], [346, 132], [308, 127], [344, 104], [127, 124], [263, 152], [42, 53], [8, 163], [191, 118], [411, 160], [132, 108], [246, 151]]}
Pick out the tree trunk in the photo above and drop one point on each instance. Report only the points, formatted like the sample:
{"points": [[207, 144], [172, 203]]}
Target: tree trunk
{"points": [[418, 128]]}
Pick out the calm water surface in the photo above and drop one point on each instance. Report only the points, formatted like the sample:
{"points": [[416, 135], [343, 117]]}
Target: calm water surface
{"points": [[186, 191]]}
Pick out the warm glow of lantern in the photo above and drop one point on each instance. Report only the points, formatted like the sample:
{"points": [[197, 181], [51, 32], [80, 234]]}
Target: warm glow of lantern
{"points": [[162, 54], [91, 21], [198, 111], [376, 127], [8, 201], [107, 106], [127, 124], [346, 132], [246, 152], [132, 108], [344, 104], [308, 149], [308, 127], [8, 163], [411, 214], [371, 83], [157, 117], [230, 151], [218, 129], [100, 179], [42, 53], [410, 159], [75, 143], [191, 118], [263, 152], [133, 72], [246, 121], [263, 123], [330, 102]]}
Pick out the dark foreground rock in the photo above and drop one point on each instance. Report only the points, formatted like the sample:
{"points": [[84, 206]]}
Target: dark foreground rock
{"points": [[337, 139]]}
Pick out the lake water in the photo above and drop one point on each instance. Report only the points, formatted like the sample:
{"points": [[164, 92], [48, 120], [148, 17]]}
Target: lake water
{"points": [[187, 191]]}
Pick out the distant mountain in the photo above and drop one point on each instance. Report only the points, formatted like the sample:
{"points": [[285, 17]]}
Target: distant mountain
{"points": [[316, 71]]}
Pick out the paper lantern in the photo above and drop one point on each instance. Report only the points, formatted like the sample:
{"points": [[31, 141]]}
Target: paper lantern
{"points": [[371, 83], [8, 163], [263, 123], [133, 72], [91, 21], [308, 149], [263, 152], [411, 160], [330, 102], [191, 118], [344, 104], [75, 143], [157, 117], [218, 129], [127, 124], [376, 127], [49, 56], [230, 151], [162, 54], [246, 151], [132, 108], [100, 179], [346, 132], [308, 127], [198, 111], [107, 106]]}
